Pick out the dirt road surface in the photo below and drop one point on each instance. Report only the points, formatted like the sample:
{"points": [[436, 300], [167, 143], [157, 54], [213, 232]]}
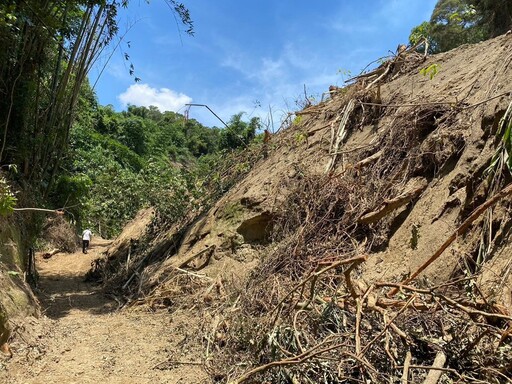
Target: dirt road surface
{"points": [[83, 338]]}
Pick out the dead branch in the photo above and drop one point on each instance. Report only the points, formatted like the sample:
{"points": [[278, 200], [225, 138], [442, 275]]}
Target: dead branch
{"points": [[294, 360], [386, 71], [471, 311], [468, 310], [47, 255], [208, 250], [348, 281], [359, 307], [413, 297], [382, 311], [390, 303], [390, 205], [407, 363], [434, 373], [370, 159], [312, 277], [376, 72], [340, 135], [193, 274], [459, 231]]}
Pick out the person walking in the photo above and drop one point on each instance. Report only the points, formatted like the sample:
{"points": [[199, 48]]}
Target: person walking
{"points": [[86, 238]]}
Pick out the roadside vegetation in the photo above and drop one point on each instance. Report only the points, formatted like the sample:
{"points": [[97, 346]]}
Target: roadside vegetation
{"points": [[97, 165]]}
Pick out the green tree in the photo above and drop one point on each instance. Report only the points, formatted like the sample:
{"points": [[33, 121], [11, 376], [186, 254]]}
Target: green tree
{"points": [[496, 16], [133, 135], [239, 133], [457, 22], [48, 49]]}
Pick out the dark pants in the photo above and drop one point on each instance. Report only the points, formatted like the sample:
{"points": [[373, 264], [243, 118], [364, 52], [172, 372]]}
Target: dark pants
{"points": [[85, 245]]}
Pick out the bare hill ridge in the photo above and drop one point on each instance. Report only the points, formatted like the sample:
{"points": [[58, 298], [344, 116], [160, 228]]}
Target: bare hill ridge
{"points": [[353, 197]]}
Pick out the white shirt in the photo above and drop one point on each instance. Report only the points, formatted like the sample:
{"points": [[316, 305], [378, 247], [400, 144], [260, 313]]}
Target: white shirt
{"points": [[86, 235]]}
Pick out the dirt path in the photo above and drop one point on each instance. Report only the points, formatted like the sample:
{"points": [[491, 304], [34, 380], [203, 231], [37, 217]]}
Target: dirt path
{"points": [[84, 339]]}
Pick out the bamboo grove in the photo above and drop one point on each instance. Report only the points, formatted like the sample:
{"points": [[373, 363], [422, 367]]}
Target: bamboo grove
{"points": [[47, 49]]}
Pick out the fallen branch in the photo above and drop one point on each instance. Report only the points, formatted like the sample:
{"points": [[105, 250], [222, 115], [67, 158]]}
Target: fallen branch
{"points": [[407, 363], [208, 250], [434, 373], [471, 311], [468, 310], [192, 273], [390, 205], [310, 353], [386, 71], [314, 276], [340, 136], [370, 159], [47, 255], [375, 72], [359, 307], [459, 231], [413, 297]]}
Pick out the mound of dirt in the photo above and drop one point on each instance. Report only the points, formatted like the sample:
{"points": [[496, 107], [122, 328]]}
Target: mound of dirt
{"points": [[440, 131], [370, 242], [369, 192]]}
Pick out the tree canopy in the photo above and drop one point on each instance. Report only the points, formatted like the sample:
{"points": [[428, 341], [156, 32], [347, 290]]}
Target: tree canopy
{"points": [[100, 164], [457, 22]]}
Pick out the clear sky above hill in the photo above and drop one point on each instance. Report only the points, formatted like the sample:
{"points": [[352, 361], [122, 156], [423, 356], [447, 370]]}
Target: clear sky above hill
{"points": [[249, 56]]}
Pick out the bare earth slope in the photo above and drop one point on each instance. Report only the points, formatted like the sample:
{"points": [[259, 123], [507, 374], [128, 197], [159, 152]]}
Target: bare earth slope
{"points": [[456, 114], [287, 277], [380, 176], [85, 340]]}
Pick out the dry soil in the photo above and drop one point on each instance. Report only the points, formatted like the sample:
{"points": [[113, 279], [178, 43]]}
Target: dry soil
{"points": [[84, 338]]}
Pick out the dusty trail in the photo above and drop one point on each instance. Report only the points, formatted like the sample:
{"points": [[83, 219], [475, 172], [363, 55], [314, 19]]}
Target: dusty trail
{"points": [[84, 339]]}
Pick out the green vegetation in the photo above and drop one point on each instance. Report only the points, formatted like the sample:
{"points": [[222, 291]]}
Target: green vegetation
{"points": [[457, 22], [100, 165], [7, 198], [119, 162], [432, 70]]}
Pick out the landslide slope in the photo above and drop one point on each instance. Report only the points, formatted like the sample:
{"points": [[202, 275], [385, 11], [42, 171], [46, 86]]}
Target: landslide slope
{"points": [[293, 265]]}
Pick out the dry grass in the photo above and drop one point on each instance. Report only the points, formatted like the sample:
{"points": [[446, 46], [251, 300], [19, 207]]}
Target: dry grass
{"points": [[59, 234]]}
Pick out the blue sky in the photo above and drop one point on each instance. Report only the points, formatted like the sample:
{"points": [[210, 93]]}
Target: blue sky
{"points": [[250, 56]]}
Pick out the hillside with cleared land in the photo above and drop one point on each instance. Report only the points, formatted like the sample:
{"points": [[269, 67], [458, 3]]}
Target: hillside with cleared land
{"points": [[370, 241]]}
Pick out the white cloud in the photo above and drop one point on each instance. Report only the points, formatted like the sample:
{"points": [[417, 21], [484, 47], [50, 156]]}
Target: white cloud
{"points": [[164, 99], [271, 70]]}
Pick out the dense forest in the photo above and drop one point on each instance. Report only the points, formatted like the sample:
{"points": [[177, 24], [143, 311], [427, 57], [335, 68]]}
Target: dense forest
{"points": [[100, 165], [97, 165]]}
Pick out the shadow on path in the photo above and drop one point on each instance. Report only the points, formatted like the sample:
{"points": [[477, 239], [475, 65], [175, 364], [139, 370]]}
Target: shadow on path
{"points": [[62, 288]]}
